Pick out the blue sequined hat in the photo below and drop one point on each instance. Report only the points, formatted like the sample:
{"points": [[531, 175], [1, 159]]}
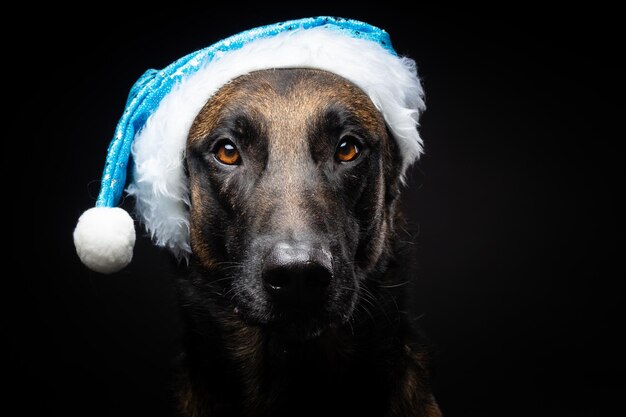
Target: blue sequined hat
{"points": [[163, 104]]}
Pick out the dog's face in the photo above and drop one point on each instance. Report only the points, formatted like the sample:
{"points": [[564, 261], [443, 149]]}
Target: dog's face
{"points": [[292, 179]]}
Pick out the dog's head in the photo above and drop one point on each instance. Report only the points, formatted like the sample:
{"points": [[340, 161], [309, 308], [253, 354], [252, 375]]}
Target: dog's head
{"points": [[293, 177]]}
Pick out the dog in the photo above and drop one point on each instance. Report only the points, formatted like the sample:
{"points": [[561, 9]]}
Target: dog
{"points": [[294, 299]]}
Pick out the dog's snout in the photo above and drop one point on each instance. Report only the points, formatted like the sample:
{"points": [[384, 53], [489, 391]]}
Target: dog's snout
{"points": [[297, 275]]}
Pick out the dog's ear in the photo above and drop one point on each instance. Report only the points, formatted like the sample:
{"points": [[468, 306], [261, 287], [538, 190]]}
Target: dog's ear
{"points": [[187, 183], [392, 168], [186, 168]]}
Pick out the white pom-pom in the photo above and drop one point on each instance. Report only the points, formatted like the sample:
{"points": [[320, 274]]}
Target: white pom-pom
{"points": [[104, 238]]}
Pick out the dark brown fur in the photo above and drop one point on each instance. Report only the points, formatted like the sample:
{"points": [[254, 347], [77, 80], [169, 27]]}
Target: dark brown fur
{"points": [[365, 360]]}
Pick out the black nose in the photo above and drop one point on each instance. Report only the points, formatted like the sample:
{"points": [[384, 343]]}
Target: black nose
{"points": [[297, 275]]}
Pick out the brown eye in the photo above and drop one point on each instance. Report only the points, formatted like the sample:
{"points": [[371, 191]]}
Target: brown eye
{"points": [[348, 150], [227, 153]]}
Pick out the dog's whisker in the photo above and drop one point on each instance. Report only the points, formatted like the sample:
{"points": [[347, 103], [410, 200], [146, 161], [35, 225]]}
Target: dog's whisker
{"points": [[231, 290], [391, 296], [376, 300], [223, 265], [363, 306], [368, 312], [401, 284], [230, 268], [215, 281]]}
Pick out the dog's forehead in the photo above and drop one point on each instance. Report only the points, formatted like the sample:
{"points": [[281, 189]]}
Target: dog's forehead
{"points": [[285, 99]]}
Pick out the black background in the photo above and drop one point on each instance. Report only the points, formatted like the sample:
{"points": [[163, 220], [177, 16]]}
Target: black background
{"points": [[520, 243]]}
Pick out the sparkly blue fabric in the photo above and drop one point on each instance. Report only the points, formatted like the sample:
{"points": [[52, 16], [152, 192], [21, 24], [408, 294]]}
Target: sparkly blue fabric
{"points": [[147, 93]]}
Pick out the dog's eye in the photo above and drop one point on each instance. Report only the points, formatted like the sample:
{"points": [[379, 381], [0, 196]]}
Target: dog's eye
{"points": [[226, 152], [348, 150]]}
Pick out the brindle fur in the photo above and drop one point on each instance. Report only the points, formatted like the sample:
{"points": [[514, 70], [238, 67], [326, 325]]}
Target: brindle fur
{"points": [[363, 359]]}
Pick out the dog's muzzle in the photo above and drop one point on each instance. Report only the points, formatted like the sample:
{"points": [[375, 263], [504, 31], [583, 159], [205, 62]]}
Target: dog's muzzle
{"points": [[296, 276]]}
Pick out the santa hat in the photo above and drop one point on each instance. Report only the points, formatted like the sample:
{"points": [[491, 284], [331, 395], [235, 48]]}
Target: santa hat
{"points": [[163, 104]]}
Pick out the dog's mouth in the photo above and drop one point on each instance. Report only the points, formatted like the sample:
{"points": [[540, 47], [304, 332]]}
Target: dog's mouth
{"points": [[293, 324], [299, 326], [297, 321]]}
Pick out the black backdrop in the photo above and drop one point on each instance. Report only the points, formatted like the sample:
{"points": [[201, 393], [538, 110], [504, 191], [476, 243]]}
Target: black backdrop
{"points": [[520, 244]]}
